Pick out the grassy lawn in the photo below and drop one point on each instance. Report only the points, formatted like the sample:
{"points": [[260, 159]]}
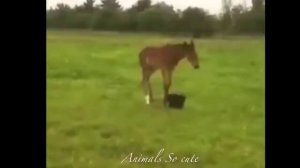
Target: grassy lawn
{"points": [[96, 114]]}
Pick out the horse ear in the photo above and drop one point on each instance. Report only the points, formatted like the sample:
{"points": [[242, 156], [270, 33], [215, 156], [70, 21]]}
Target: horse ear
{"points": [[192, 42]]}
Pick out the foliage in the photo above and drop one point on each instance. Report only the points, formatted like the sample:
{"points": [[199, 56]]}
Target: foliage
{"points": [[159, 17]]}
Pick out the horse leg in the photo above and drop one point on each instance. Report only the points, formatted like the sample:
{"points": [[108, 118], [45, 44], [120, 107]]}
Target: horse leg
{"points": [[167, 74], [146, 85]]}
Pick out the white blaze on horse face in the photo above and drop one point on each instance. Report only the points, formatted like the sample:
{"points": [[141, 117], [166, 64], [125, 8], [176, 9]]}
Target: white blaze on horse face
{"points": [[147, 99]]}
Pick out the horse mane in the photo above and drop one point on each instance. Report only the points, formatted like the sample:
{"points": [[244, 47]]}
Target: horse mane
{"points": [[177, 45]]}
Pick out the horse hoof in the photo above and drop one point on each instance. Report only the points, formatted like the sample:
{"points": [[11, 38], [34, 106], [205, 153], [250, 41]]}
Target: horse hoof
{"points": [[147, 99]]}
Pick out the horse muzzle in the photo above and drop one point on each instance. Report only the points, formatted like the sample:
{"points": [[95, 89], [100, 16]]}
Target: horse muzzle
{"points": [[196, 67]]}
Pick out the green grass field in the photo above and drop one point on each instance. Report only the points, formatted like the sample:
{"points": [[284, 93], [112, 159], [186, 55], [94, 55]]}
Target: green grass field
{"points": [[96, 114]]}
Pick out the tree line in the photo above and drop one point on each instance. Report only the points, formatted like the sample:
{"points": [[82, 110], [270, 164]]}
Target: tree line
{"points": [[144, 16]]}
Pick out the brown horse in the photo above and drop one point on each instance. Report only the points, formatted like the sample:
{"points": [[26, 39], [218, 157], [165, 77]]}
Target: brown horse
{"points": [[164, 58]]}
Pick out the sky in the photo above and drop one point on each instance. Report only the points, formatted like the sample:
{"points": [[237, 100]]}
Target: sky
{"points": [[212, 6]]}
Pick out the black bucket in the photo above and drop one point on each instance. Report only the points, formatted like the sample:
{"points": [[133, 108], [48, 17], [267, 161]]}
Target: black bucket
{"points": [[176, 101]]}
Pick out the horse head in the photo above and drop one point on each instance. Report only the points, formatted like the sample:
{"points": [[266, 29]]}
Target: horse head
{"points": [[191, 54]]}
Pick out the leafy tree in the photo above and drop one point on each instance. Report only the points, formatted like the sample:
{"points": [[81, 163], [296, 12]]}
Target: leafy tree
{"points": [[142, 5], [226, 21], [160, 17], [197, 22], [257, 5], [60, 16], [110, 5], [89, 5], [236, 13]]}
